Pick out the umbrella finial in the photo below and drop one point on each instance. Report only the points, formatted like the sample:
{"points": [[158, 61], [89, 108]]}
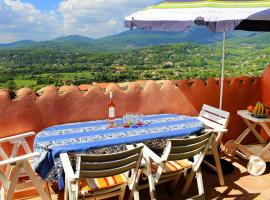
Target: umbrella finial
{"points": [[132, 23], [200, 21]]}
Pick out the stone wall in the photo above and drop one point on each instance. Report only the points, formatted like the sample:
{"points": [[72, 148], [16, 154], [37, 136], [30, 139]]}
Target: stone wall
{"points": [[26, 110]]}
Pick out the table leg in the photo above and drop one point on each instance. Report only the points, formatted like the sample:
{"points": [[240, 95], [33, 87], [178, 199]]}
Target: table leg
{"points": [[254, 131], [266, 128], [242, 136], [267, 147], [264, 151]]}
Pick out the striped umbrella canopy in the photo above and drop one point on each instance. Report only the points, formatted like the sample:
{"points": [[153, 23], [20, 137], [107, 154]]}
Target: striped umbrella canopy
{"points": [[217, 15]]}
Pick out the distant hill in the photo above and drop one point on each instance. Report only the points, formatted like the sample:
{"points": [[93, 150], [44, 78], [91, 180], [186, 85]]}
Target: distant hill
{"points": [[73, 38], [260, 40], [138, 38], [21, 43], [135, 39]]}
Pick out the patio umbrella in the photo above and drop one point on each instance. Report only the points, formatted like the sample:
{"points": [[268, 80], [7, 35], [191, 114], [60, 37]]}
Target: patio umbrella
{"points": [[217, 15]]}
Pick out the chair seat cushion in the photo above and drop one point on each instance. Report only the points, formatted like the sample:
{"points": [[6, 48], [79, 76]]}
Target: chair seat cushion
{"points": [[92, 184], [173, 166]]}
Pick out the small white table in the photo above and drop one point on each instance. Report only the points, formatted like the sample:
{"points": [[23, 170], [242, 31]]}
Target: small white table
{"points": [[251, 123], [260, 150]]}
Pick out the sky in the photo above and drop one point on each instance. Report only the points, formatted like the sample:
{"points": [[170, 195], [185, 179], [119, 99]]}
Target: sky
{"points": [[48, 19]]}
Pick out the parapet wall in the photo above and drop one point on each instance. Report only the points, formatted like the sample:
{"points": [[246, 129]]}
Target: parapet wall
{"points": [[265, 87], [29, 111]]}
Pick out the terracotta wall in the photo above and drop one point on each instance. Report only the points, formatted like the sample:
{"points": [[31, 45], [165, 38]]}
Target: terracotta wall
{"points": [[266, 86], [238, 94], [27, 111], [266, 91]]}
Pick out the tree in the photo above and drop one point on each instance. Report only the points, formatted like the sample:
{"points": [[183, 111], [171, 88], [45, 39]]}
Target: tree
{"points": [[11, 85]]}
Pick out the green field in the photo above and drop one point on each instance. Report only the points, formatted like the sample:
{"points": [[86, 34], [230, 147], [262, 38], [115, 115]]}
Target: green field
{"points": [[36, 67]]}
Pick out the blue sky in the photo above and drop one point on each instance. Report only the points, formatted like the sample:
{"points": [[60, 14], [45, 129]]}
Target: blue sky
{"points": [[44, 4], [47, 19], [53, 4]]}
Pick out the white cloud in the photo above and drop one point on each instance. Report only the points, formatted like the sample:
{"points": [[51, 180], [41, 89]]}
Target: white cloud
{"points": [[97, 18], [92, 18], [20, 20]]}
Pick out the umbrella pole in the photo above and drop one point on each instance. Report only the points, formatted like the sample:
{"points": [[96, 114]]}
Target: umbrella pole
{"points": [[222, 71]]}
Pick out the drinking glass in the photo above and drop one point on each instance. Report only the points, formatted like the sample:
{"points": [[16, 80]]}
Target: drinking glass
{"points": [[141, 117]]}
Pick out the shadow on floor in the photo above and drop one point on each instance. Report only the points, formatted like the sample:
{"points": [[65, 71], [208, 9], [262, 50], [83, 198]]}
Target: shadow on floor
{"points": [[238, 185]]}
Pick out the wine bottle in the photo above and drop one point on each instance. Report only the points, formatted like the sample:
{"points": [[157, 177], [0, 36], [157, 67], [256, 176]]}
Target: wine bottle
{"points": [[111, 112]]}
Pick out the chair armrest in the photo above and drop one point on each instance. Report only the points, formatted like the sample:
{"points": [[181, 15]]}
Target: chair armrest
{"points": [[207, 130], [224, 130], [130, 146], [149, 153], [69, 173], [16, 137], [215, 130], [18, 158]]}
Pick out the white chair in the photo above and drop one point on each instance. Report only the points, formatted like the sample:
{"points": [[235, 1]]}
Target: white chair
{"points": [[102, 176], [19, 167], [175, 160], [216, 120]]}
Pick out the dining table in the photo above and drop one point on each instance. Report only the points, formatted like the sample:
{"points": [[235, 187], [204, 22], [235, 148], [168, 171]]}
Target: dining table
{"points": [[95, 137]]}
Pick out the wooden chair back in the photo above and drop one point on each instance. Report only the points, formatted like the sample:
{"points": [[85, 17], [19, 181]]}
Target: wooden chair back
{"points": [[186, 148], [213, 117], [101, 166], [16, 164], [217, 120], [16, 141], [97, 166]]}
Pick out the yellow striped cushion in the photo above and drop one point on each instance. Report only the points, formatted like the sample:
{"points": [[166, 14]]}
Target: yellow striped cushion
{"points": [[173, 166], [92, 184]]}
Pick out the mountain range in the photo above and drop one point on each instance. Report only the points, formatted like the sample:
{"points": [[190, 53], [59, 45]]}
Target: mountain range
{"points": [[135, 39]]}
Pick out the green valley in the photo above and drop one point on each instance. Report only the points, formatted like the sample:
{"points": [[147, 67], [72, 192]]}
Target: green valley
{"points": [[130, 56]]}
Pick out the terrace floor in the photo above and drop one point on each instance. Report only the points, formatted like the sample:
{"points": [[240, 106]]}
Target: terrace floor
{"points": [[238, 185]]}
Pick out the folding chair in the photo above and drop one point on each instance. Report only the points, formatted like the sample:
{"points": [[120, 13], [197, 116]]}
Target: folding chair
{"points": [[216, 120], [101, 176], [175, 161], [19, 167]]}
